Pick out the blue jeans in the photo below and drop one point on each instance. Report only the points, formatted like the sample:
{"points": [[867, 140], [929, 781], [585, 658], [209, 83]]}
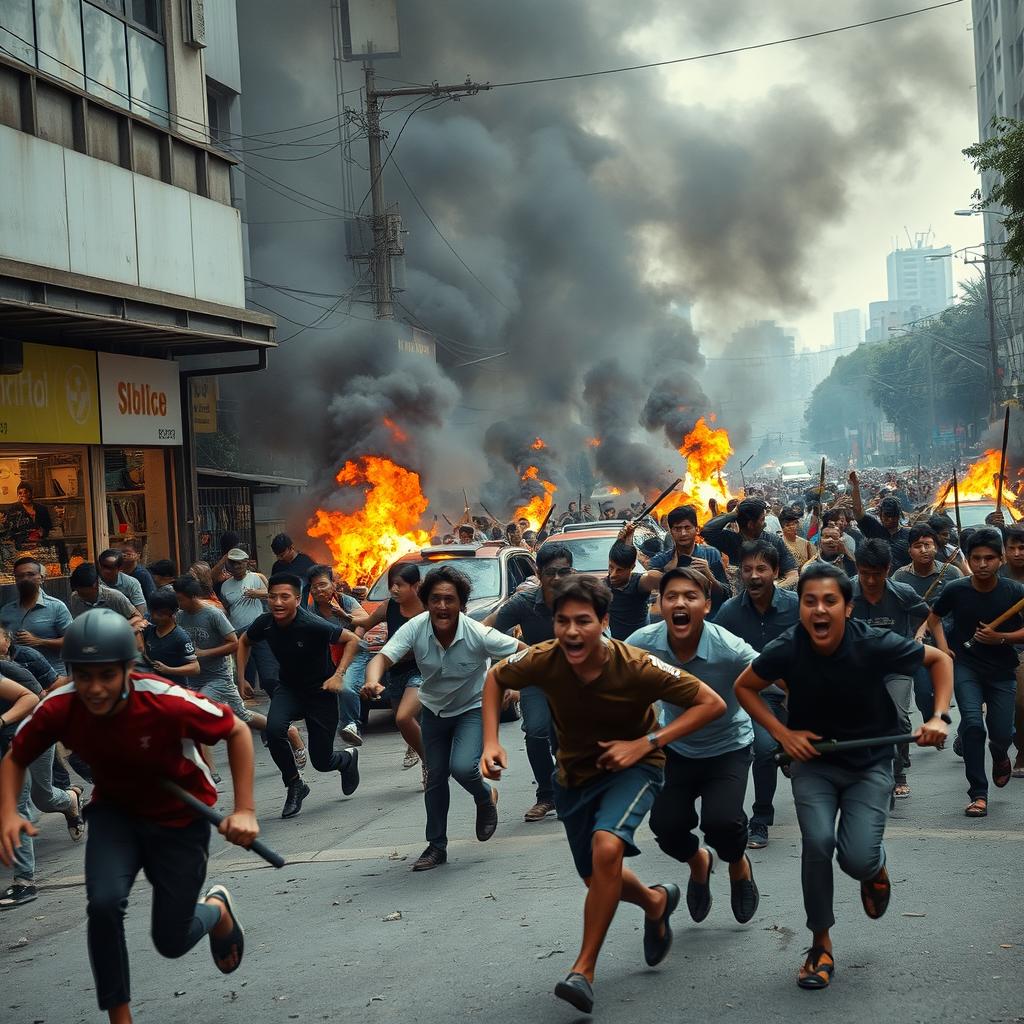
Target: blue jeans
{"points": [[972, 690], [454, 746], [349, 707], [766, 771], [540, 739], [823, 791], [901, 689]]}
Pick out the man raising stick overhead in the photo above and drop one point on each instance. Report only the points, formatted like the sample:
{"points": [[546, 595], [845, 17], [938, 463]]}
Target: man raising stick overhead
{"points": [[136, 730], [835, 670], [610, 761]]}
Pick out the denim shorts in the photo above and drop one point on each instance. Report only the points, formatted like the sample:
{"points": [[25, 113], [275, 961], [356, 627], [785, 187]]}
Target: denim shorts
{"points": [[616, 803], [396, 683], [225, 692]]}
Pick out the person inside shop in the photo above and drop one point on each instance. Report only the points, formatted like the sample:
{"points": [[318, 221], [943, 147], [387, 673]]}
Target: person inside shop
{"points": [[29, 524]]}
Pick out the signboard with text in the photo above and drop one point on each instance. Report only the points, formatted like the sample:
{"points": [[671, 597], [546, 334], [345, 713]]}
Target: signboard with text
{"points": [[53, 400], [140, 400], [204, 405]]}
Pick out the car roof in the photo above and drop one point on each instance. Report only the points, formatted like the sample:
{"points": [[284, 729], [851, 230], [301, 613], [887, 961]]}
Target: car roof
{"points": [[584, 531], [478, 549]]}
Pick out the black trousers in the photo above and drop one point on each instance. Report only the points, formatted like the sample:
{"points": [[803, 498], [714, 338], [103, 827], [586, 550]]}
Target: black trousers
{"points": [[319, 709], [721, 785], [174, 861]]}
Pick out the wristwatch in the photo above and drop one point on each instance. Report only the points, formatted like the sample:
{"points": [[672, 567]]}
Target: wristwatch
{"points": [[652, 738], [945, 717]]}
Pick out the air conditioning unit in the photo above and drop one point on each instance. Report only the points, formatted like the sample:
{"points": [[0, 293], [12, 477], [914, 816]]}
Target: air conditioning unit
{"points": [[193, 23]]}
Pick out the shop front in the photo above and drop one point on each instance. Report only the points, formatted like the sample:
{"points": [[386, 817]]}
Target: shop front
{"points": [[90, 455]]}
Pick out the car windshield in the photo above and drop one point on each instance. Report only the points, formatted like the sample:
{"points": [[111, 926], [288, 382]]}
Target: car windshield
{"points": [[483, 574], [589, 554]]}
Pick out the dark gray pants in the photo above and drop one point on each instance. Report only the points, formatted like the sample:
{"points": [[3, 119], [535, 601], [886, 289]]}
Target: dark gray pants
{"points": [[859, 799]]}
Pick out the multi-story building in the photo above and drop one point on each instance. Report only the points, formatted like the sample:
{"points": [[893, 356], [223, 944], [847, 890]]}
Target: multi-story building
{"points": [[922, 276], [847, 328], [121, 269], [999, 67]]}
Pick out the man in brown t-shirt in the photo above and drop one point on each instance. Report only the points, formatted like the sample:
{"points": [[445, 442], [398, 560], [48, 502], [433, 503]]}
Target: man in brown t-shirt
{"points": [[610, 762]]}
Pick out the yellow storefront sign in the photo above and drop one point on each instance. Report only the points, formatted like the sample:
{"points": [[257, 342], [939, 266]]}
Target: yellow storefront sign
{"points": [[54, 400], [204, 405]]}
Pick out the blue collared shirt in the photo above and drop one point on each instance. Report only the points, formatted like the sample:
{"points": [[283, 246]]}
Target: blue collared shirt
{"points": [[453, 678], [719, 661], [47, 619]]}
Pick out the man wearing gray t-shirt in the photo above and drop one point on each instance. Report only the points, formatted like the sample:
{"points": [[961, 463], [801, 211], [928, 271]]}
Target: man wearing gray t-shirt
{"points": [[244, 594]]}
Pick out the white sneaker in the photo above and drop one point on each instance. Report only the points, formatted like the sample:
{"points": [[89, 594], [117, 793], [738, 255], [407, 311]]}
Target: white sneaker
{"points": [[350, 734], [301, 758]]}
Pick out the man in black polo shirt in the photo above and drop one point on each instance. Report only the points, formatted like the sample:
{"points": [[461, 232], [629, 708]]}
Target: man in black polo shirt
{"points": [[631, 591], [307, 687], [530, 610], [759, 615], [835, 669], [750, 518], [886, 527]]}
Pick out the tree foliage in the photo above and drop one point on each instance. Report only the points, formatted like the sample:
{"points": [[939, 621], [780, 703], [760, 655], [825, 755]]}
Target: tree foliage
{"points": [[1004, 155]]}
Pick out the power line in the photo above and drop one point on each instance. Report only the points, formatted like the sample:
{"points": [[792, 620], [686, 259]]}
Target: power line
{"points": [[732, 50]]}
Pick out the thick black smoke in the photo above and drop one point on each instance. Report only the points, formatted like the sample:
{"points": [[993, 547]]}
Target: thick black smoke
{"points": [[586, 208]]}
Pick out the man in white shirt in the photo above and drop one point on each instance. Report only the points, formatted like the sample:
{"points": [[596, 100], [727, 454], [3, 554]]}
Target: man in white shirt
{"points": [[451, 652], [244, 595]]}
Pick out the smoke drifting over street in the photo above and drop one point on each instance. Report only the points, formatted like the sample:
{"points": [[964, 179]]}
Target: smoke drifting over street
{"points": [[587, 208]]}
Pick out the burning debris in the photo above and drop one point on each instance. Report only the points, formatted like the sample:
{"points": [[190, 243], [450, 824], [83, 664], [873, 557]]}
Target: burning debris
{"points": [[706, 450]]}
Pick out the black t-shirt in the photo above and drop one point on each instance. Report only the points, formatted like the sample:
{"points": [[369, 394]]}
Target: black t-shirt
{"points": [[174, 650], [842, 696], [899, 542], [19, 674], [969, 608], [528, 611], [302, 648], [298, 566], [629, 610]]}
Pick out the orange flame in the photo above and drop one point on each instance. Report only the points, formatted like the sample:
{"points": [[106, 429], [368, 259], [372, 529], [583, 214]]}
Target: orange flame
{"points": [[538, 445], [979, 482], [594, 442], [537, 508], [396, 431], [706, 450], [365, 542], [614, 490]]}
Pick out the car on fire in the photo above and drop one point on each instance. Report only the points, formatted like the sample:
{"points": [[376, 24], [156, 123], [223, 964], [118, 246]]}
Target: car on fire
{"points": [[973, 513], [591, 542]]}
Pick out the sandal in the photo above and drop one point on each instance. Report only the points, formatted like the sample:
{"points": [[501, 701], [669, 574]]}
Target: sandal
{"points": [[1002, 771], [817, 969], [875, 893], [977, 808], [234, 941], [902, 791]]}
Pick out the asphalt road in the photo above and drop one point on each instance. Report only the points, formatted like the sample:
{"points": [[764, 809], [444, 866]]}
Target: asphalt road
{"points": [[487, 936]]}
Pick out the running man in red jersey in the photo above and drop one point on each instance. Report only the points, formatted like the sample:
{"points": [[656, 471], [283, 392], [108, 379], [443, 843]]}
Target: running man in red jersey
{"points": [[134, 730]]}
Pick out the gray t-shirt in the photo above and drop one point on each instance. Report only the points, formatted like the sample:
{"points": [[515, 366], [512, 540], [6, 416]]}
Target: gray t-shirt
{"points": [[242, 610], [131, 588], [209, 627]]}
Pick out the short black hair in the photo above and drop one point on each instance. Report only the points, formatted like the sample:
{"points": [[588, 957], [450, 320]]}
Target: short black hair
{"points": [[85, 575], [27, 560], [790, 515], [749, 510], [759, 549], [890, 506], [832, 516], [586, 590], [188, 585], [407, 572], [940, 523], [1015, 533], [285, 579], [682, 514], [110, 553], [25, 486], [446, 574], [622, 554], [163, 567], [984, 537], [161, 601], [826, 571], [873, 554], [651, 547], [466, 528], [550, 552], [316, 571], [496, 533], [280, 544], [922, 530], [685, 572]]}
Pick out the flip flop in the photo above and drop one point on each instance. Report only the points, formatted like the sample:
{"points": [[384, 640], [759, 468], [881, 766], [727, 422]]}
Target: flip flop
{"points": [[977, 808], [234, 941]]}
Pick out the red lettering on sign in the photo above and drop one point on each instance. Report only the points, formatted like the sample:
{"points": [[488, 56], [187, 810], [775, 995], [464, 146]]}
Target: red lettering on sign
{"points": [[140, 400]]}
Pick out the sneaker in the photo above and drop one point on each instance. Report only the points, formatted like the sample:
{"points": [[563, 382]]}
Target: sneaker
{"points": [[577, 992], [431, 857], [297, 792], [410, 760], [350, 774], [539, 811], [757, 837], [301, 757], [17, 894], [423, 778], [351, 735], [76, 823]]}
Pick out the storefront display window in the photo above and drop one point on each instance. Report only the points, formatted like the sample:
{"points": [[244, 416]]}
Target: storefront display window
{"points": [[44, 510], [138, 502]]}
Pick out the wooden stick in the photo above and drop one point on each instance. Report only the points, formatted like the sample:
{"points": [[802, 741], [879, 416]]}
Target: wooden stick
{"points": [[1000, 619], [658, 500], [942, 572], [547, 518], [831, 746], [1002, 461], [956, 502], [821, 492], [448, 521], [490, 515]]}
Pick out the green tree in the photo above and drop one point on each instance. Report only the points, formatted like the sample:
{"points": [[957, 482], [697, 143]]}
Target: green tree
{"points": [[1004, 154]]}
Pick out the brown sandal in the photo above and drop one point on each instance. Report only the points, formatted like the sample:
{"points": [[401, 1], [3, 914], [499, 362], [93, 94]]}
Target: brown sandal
{"points": [[977, 808], [875, 893], [817, 969]]}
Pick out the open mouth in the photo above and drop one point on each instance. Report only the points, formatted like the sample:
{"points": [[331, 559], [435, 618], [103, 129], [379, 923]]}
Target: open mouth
{"points": [[821, 629], [680, 617], [573, 648]]}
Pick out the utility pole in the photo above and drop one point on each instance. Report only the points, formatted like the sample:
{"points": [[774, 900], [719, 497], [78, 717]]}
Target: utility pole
{"points": [[380, 257], [993, 344]]}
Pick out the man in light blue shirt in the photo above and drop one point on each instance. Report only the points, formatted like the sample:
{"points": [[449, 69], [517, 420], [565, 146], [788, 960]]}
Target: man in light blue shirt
{"points": [[35, 619], [451, 652], [711, 764]]}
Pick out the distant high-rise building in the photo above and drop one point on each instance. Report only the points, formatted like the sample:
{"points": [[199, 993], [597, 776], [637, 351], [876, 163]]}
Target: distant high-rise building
{"points": [[921, 275], [888, 316], [848, 328]]}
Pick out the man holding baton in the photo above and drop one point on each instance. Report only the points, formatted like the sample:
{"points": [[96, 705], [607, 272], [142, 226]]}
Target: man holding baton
{"points": [[835, 670], [137, 731]]}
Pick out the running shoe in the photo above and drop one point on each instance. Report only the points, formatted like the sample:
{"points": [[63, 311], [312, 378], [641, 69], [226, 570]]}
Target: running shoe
{"points": [[301, 758], [76, 823], [351, 735], [411, 759], [539, 811], [17, 895], [757, 837]]}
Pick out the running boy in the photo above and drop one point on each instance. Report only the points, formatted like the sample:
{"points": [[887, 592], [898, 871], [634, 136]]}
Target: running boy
{"points": [[610, 762], [135, 729]]}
